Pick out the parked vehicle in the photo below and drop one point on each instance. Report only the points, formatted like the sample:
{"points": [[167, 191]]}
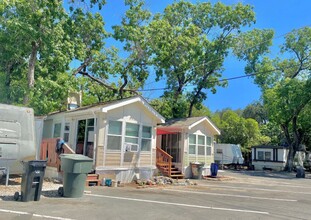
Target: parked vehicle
{"points": [[228, 154], [17, 137]]}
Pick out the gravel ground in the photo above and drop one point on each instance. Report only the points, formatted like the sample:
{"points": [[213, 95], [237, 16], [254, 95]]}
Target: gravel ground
{"points": [[49, 188]]}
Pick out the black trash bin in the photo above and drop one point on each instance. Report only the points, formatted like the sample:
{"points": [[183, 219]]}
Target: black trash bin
{"points": [[32, 180], [196, 170], [300, 172]]}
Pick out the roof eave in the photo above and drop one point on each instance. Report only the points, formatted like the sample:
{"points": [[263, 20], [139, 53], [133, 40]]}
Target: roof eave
{"points": [[105, 109], [216, 130]]}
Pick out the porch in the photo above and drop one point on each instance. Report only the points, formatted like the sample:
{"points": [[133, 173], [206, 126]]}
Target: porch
{"points": [[169, 153]]}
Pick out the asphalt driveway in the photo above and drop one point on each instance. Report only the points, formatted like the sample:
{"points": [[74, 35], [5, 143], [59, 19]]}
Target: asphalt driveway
{"points": [[245, 195]]}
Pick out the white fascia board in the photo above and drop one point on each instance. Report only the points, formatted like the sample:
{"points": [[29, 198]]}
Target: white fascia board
{"points": [[84, 111], [131, 101], [209, 122], [119, 104]]}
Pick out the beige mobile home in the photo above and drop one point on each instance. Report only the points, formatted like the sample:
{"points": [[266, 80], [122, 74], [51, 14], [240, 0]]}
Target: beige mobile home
{"points": [[120, 136], [185, 141]]}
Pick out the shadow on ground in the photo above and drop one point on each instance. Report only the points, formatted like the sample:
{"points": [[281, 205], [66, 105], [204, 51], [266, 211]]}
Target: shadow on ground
{"points": [[270, 174], [50, 193], [13, 180]]}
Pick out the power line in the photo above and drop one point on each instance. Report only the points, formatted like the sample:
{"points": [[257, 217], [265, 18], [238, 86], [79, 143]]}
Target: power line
{"points": [[205, 63], [228, 79]]}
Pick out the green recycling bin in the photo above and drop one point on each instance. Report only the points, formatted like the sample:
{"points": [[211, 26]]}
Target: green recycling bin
{"points": [[75, 168]]}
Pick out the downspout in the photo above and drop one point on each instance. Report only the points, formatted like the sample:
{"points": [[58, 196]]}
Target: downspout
{"points": [[38, 138], [95, 139]]}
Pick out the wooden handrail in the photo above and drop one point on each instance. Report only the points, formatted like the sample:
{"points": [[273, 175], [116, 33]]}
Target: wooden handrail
{"points": [[48, 152], [164, 152], [165, 160]]}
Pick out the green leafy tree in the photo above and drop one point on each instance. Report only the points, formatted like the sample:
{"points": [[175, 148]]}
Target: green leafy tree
{"points": [[256, 111], [233, 129], [237, 130], [190, 43], [202, 111], [38, 42], [163, 106], [285, 83], [129, 67]]}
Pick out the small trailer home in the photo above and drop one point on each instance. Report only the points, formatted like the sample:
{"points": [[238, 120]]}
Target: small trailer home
{"points": [[269, 157], [17, 137], [226, 154]]}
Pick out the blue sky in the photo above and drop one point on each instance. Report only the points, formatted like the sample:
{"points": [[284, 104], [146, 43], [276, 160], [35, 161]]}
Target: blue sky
{"points": [[281, 15]]}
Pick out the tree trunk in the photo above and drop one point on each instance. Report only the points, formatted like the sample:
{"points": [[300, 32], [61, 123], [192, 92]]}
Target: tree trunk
{"points": [[190, 109], [8, 83], [290, 159], [294, 143], [31, 71]]}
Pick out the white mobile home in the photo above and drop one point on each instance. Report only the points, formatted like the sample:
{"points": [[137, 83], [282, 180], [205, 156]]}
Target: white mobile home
{"points": [[228, 154], [269, 157], [17, 137], [120, 136]]}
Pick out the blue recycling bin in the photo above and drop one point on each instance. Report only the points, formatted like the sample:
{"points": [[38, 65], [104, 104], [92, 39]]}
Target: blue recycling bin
{"points": [[214, 169]]}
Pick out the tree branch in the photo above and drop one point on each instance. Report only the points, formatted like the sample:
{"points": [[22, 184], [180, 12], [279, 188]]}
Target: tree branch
{"points": [[86, 62], [104, 84]]}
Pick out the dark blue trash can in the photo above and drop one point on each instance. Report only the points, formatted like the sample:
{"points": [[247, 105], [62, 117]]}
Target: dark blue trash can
{"points": [[214, 169]]}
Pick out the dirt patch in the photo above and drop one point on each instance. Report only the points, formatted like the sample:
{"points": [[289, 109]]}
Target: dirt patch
{"points": [[219, 178]]}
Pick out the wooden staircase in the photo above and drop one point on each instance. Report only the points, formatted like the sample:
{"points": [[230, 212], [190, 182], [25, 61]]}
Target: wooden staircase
{"points": [[164, 164]]}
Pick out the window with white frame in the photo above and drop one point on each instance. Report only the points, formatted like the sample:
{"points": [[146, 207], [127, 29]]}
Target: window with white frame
{"points": [[134, 138], [208, 146], [192, 143], [200, 145], [57, 130], [66, 132], [114, 137], [146, 138], [131, 137]]}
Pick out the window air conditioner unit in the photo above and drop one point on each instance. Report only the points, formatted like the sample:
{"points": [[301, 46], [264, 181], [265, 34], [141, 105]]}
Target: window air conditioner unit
{"points": [[131, 147], [134, 148]]}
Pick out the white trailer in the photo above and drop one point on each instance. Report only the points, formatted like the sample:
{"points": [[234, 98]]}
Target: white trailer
{"points": [[17, 137], [228, 154]]}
